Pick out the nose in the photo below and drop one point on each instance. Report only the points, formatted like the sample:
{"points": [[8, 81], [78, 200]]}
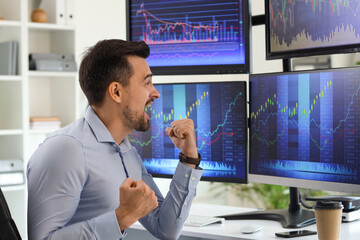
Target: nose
{"points": [[155, 93]]}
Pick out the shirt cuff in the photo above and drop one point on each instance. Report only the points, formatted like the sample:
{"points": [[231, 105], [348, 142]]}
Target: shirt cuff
{"points": [[106, 226], [187, 176]]}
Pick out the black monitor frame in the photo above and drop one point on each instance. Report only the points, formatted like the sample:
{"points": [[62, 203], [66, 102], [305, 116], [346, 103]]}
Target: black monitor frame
{"points": [[204, 69], [246, 166], [348, 48]]}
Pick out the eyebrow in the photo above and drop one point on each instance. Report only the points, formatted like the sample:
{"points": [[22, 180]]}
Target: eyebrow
{"points": [[148, 76]]}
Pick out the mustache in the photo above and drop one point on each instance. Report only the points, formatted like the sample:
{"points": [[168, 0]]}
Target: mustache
{"points": [[151, 101]]}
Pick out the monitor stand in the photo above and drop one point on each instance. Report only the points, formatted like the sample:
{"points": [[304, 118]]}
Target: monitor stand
{"points": [[293, 217]]}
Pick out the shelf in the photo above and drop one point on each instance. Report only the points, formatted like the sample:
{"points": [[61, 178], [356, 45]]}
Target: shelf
{"points": [[13, 188], [9, 132], [51, 74], [49, 27], [6, 23], [14, 78], [32, 93]]}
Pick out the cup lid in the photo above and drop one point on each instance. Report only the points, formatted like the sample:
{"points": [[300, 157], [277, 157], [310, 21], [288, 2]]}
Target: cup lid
{"points": [[328, 205]]}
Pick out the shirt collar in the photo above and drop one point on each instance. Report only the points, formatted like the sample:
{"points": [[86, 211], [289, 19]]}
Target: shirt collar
{"points": [[101, 133], [125, 145]]}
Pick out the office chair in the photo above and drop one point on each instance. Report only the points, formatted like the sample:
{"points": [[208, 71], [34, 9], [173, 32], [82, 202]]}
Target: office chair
{"points": [[8, 229]]}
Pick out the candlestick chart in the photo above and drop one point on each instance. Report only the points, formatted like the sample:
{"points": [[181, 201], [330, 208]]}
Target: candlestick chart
{"points": [[306, 24], [189, 32], [306, 125], [218, 111]]}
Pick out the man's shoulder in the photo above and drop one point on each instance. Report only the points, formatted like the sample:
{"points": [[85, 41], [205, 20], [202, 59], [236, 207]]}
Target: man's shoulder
{"points": [[78, 130], [66, 143]]}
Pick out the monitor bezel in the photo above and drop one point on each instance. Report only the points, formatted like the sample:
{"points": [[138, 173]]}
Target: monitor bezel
{"points": [[297, 182], [204, 69], [306, 52], [304, 183], [222, 179]]}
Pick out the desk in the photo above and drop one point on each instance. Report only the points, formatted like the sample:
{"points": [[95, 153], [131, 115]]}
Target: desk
{"points": [[230, 230]]}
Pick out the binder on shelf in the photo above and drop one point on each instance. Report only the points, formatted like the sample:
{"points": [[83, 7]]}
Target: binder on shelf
{"points": [[14, 165], [52, 65], [69, 12], [8, 58], [52, 62], [55, 11], [51, 56], [11, 172]]}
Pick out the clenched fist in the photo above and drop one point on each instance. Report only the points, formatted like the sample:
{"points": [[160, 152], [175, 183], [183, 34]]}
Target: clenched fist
{"points": [[137, 200], [182, 134]]}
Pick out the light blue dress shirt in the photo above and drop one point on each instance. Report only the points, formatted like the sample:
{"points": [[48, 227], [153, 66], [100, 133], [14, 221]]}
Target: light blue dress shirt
{"points": [[74, 179]]}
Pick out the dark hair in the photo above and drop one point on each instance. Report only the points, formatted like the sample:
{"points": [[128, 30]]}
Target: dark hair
{"points": [[105, 63]]}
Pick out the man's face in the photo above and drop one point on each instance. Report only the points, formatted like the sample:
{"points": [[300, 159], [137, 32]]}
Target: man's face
{"points": [[140, 94]]}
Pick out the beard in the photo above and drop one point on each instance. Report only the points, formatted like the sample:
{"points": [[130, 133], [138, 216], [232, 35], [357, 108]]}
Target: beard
{"points": [[137, 123]]}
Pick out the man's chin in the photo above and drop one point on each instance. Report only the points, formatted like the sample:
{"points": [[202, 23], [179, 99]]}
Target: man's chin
{"points": [[147, 126], [144, 127]]}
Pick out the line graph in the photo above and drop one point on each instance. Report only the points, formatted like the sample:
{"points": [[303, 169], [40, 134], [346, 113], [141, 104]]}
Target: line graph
{"points": [[219, 114], [307, 117], [305, 24], [182, 33], [312, 135], [288, 118]]}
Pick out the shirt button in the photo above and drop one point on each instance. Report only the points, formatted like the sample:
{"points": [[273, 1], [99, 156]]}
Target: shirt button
{"points": [[193, 178], [185, 203], [186, 175]]}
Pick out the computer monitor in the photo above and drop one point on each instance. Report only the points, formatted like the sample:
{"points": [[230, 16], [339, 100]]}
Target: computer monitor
{"points": [[219, 112], [305, 129], [308, 28], [192, 36], [304, 132]]}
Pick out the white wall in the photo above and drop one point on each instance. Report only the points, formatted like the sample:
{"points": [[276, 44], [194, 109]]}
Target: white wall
{"points": [[98, 20], [95, 21], [259, 62]]}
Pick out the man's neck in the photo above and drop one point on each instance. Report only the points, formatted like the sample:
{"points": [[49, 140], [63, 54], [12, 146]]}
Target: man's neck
{"points": [[112, 122]]}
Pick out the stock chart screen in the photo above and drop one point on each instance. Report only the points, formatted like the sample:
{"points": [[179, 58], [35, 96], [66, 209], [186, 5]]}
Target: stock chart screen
{"points": [[219, 112], [306, 125], [298, 25], [190, 32]]}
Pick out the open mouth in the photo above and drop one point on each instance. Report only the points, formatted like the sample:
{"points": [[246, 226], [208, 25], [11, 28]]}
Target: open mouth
{"points": [[148, 109]]}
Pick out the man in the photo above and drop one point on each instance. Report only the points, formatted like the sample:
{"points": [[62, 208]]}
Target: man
{"points": [[86, 181]]}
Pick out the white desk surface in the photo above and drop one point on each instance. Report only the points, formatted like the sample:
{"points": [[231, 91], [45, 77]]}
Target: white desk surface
{"points": [[230, 230]]}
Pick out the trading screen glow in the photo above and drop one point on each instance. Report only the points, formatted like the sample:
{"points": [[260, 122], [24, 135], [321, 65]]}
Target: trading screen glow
{"points": [[306, 125], [297, 25], [189, 32], [219, 114]]}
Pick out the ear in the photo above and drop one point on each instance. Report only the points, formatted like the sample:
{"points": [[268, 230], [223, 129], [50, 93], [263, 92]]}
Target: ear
{"points": [[115, 91]]}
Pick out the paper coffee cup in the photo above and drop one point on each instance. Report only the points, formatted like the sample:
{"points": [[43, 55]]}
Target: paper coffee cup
{"points": [[328, 219]]}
